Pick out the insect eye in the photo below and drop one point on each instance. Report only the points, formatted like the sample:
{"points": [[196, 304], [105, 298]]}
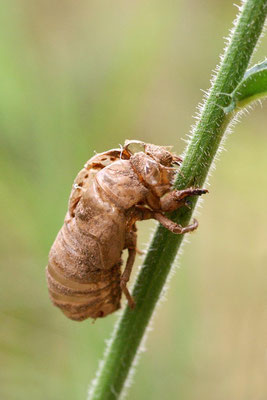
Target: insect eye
{"points": [[152, 172], [134, 146]]}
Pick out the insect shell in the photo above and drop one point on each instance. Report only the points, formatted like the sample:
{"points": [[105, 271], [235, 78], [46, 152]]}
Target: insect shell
{"points": [[113, 191]]}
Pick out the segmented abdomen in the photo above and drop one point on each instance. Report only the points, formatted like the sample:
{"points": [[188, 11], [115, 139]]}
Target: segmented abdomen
{"points": [[81, 301], [76, 283]]}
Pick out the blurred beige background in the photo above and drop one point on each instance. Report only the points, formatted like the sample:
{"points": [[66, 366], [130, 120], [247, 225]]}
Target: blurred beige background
{"points": [[83, 76]]}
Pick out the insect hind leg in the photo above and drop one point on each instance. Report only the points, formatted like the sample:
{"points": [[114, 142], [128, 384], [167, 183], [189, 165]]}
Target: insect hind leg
{"points": [[131, 246]]}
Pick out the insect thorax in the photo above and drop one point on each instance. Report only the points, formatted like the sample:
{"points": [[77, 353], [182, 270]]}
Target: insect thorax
{"points": [[121, 184]]}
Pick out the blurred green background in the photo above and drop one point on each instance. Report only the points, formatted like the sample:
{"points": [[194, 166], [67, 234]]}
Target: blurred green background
{"points": [[83, 76]]}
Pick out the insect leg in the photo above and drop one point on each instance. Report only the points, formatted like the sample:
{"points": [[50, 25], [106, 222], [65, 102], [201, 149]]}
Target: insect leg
{"points": [[177, 198], [172, 226], [131, 246], [143, 213]]}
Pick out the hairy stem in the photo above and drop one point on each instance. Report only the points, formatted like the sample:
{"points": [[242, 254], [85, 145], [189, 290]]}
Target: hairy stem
{"points": [[205, 141]]}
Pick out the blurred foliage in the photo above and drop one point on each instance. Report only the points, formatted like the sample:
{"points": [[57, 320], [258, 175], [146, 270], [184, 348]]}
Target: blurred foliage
{"points": [[83, 76]]}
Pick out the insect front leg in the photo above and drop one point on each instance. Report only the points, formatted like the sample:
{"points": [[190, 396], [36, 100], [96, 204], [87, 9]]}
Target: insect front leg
{"points": [[143, 213], [172, 226], [177, 198], [172, 201], [131, 246], [169, 202]]}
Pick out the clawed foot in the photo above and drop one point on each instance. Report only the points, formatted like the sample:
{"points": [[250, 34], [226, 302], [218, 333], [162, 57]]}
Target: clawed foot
{"points": [[140, 252], [181, 194]]}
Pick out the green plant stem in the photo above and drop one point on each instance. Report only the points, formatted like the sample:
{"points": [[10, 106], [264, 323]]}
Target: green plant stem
{"points": [[205, 141]]}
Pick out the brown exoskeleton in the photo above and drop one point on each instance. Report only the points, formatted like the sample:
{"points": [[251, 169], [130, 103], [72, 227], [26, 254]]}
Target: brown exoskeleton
{"points": [[113, 191]]}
